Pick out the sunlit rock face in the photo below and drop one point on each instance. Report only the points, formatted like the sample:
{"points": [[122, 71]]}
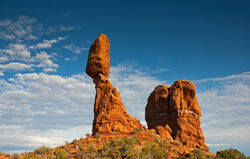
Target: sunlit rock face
{"points": [[110, 115], [176, 107], [99, 58]]}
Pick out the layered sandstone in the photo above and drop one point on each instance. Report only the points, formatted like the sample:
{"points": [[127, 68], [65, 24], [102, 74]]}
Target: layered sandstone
{"points": [[110, 115], [176, 107]]}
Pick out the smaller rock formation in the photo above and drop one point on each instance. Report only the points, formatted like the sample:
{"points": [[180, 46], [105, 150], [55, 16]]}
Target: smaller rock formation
{"points": [[110, 115], [176, 108]]}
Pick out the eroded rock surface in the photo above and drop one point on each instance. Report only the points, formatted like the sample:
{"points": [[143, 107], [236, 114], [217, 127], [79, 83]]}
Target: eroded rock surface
{"points": [[110, 115], [178, 108], [99, 58]]}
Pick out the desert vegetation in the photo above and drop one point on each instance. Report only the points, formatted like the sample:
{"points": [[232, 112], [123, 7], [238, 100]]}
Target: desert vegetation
{"points": [[124, 148]]}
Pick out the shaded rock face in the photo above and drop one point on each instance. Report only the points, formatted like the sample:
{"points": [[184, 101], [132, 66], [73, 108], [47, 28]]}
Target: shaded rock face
{"points": [[176, 107], [110, 115]]}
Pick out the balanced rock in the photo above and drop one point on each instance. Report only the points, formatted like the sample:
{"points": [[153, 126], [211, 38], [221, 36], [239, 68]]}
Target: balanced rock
{"points": [[110, 115], [178, 108], [99, 58]]}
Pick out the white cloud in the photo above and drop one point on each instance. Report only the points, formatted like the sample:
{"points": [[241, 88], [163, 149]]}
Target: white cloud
{"points": [[225, 105], [15, 66], [5, 22], [60, 28], [23, 28], [21, 53], [75, 49], [4, 59], [66, 28], [49, 70], [47, 43], [43, 60], [50, 109], [21, 49], [235, 78], [218, 145], [16, 52], [28, 28]]}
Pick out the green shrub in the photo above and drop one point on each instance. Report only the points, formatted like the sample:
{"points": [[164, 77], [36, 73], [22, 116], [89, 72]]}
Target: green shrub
{"points": [[74, 141], [137, 130], [154, 151], [230, 154], [90, 152], [97, 135], [164, 143], [15, 156], [120, 148], [6, 155], [31, 155], [198, 154], [177, 143], [59, 154], [42, 150]]}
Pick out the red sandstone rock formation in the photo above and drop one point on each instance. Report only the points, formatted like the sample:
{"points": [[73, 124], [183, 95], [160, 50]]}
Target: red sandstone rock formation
{"points": [[99, 58], [178, 108], [110, 115]]}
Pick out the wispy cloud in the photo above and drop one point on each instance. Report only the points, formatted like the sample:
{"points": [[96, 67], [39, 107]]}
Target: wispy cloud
{"points": [[60, 28], [225, 104], [47, 43], [75, 49], [24, 28], [245, 76], [21, 49]]}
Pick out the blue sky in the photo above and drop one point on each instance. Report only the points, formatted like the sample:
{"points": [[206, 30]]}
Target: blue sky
{"points": [[46, 98]]}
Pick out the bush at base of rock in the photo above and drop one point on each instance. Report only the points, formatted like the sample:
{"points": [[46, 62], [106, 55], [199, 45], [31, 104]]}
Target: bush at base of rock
{"points": [[56, 154], [153, 150], [230, 154]]}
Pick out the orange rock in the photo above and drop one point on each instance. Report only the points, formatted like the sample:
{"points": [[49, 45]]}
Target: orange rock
{"points": [[164, 132], [110, 115], [178, 108], [157, 106], [183, 97], [99, 58]]}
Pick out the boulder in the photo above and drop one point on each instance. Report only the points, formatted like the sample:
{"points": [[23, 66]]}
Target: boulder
{"points": [[99, 58], [164, 132]]}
